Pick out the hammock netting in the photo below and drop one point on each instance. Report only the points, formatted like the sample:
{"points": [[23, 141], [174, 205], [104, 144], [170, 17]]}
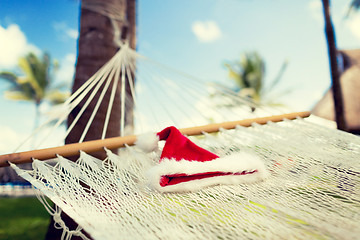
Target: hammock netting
{"points": [[312, 191]]}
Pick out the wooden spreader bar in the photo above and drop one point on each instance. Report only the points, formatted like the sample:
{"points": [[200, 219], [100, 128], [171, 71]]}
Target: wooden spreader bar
{"points": [[118, 142]]}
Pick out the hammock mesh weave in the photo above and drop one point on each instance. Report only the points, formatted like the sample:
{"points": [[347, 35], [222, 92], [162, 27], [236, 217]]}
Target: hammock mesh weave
{"points": [[312, 191]]}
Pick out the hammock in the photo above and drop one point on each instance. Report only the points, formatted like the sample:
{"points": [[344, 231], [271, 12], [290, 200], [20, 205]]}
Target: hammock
{"points": [[312, 191]]}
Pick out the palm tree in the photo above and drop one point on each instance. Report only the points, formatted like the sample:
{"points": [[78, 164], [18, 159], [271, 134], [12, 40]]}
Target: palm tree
{"points": [[34, 83], [248, 75]]}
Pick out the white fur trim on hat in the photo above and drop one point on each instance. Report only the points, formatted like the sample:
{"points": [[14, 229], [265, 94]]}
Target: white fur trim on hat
{"points": [[235, 163], [147, 142]]}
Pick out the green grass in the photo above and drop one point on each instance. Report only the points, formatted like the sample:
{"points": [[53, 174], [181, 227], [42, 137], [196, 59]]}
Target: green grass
{"points": [[23, 218]]}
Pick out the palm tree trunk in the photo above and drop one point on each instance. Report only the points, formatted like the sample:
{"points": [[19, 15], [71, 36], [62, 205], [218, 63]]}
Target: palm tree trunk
{"points": [[7, 174], [96, 46], [335, 77], [37, 115], [36, 123]]}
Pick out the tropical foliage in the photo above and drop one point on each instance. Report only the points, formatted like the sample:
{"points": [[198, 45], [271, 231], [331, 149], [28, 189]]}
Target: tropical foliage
{"points": [[248, 77], [354, 6], [34, 82]]}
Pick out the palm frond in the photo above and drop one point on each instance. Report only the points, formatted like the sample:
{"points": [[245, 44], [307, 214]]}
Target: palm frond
{"points": [[248, 73], [278, 77], [9, 77], [57, 97], [25, 63], [17, 96], [354, 6]]}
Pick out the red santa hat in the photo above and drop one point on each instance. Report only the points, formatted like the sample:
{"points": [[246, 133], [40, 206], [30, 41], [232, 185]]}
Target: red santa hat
{"points": [[184, 166]]}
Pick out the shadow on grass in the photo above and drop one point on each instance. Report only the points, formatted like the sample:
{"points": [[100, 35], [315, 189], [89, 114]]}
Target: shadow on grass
{"points": [[23, 218]]}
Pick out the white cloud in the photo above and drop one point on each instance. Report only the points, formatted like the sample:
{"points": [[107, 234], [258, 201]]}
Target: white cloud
{"points": [[9, 139], [65, 31], [70, 58], [315, 7], [206, 31], [67, 69], [13, 44], [353, 24], [72, 33]]}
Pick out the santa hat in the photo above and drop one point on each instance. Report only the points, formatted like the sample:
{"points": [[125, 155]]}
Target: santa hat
{"points": [[184, 166]]}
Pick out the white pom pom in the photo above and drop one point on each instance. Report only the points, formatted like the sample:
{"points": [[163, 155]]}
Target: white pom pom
{"points": [[147, 142]]}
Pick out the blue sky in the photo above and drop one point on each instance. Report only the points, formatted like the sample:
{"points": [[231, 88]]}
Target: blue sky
{"points": [[195, 36]]}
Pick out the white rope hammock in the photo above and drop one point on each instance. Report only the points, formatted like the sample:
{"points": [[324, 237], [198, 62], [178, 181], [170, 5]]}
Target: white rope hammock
{"points": [[312, 191]]}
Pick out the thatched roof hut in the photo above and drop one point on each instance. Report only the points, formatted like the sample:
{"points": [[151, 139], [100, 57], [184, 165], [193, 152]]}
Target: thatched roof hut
{"points": [[350, 82]]}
